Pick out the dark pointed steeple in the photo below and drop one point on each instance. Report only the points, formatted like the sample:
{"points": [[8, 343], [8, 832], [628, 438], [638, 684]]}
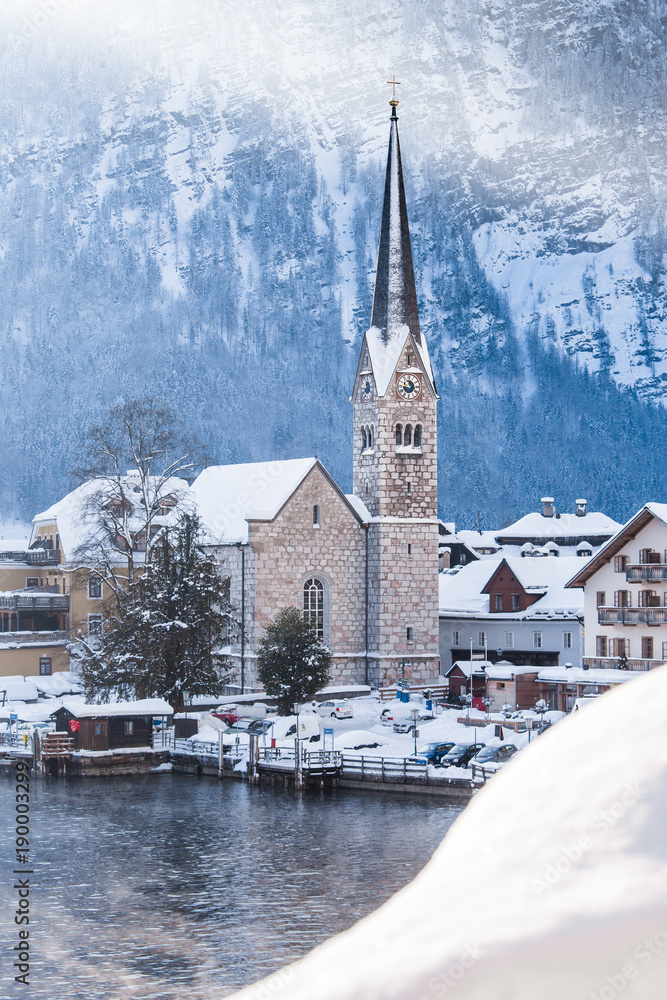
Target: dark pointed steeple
{"points": [[395, 296]]}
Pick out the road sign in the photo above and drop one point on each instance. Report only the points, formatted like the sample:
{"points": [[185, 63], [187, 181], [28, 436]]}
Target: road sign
{"points": [[13, 716], [328, 736]]}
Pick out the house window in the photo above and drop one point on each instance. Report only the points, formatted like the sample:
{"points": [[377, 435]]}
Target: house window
{"points": [[509, 640], [498, 602], [620, 564], [316, 515], [32, 581], [409, 633], [600, 645], [567, 640], [94, 625], [620, 647], [601, 598], [44, 666], [417, 440], [622, 599], [648, 599], [664, 650], [516, 602], [313, 605], [94, 586], [128, 727], [100, 728], [456, 638], [481, 638], [500, 685], [537, 640], [647, 647]]}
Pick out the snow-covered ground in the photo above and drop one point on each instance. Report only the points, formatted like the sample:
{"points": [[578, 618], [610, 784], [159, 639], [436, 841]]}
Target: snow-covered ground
{"points": [[552, 884]]}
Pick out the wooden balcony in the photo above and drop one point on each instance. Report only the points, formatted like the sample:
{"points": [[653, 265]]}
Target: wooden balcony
{"points": [[632, 616], [649, 573], [21, 638], [43, 557], [34, 600]]}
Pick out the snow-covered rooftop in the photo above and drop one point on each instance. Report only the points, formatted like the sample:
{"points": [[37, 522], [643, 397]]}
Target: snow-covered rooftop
{"points": [[506, 671], [76, 521], [145, 706], [577, 675], [461, 591], [536, 525], [226, 496]]}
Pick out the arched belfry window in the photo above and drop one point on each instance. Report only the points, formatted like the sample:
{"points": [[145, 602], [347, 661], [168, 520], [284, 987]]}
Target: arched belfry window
{"points": [[313, 604], [399, 434], [417, 440], [372, 436], [364, 444], [407, 435]]}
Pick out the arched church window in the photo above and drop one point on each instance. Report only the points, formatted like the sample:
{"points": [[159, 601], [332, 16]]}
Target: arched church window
{"points": [[313, 604], [417, 441], [363, 439], [371, 436], [399, 434], [407, 435]]}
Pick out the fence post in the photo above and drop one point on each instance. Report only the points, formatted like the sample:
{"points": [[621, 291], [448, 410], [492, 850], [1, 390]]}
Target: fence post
{"points": [[298, 768]]}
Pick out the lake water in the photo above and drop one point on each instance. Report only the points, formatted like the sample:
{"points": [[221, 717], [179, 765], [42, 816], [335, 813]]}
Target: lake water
{"points": [[166, 886]]}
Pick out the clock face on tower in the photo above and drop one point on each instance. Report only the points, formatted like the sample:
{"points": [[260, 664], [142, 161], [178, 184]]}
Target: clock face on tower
{"points": [[408, 386], [367, 388]]}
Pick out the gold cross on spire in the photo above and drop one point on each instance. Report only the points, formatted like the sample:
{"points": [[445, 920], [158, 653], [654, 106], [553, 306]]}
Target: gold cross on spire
{"points": [[394, 83]]}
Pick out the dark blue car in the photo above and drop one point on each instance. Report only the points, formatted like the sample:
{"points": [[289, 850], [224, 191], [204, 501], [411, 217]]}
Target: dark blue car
{"points": [[431, 753]]}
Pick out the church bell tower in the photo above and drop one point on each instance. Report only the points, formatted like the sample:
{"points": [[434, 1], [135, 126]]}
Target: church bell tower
{"points": [[395, 454]]}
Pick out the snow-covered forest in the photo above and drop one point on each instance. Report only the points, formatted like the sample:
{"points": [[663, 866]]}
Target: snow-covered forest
{"points": [[189, 207]]}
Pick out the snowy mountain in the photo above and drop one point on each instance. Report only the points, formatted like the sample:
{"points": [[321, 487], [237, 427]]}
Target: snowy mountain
{"points": [[189, 206]]}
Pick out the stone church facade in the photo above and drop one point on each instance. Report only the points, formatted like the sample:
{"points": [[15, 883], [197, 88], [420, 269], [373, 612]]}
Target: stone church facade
{"points": [[363, 568]]}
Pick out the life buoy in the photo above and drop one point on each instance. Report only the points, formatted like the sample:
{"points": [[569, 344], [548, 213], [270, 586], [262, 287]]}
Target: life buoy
{"points": [[74, 725]]}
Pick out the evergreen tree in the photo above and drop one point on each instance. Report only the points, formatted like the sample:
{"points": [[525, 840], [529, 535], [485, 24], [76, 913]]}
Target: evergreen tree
{"points": [[292, 663], [165, 629]]}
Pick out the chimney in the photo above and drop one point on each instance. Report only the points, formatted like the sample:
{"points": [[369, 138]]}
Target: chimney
{"points": [[581, 508], [548, 509]]}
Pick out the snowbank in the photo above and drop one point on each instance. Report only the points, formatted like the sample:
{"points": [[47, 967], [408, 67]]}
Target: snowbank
{"points": [[552, 884]]}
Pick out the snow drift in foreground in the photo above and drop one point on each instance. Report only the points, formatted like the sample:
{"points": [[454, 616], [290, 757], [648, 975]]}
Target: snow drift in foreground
{"points": [[553, 882]]}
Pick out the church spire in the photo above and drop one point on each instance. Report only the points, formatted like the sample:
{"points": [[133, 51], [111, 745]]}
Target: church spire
{"points": [[395, 296]]}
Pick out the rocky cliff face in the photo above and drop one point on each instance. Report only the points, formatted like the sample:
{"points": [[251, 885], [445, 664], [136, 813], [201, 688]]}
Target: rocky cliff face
{"points": [[189, 205]]}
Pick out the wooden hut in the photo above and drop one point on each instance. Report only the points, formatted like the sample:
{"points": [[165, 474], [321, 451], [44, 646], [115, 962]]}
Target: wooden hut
{"points": [[114, 726]]}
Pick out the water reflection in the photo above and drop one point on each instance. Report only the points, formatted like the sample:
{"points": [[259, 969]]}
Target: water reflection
{"points": [[164, 886]]}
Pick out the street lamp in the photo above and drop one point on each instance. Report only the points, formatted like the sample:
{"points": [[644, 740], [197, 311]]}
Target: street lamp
{"points": [[296, 707], [414, 712], [186, 698]]}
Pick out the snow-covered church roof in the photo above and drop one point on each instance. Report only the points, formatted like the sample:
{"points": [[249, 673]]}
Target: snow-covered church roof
{"points": [[227, 496]]}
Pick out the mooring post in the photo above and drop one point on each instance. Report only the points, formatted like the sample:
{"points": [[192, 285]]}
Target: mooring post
{"points": [[298, 764]]}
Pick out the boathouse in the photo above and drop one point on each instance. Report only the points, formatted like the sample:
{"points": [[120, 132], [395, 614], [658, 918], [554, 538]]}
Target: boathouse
{"points": [[114, 726]]}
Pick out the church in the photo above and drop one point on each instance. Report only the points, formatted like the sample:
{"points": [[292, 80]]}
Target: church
{"points": [[363, 567]]}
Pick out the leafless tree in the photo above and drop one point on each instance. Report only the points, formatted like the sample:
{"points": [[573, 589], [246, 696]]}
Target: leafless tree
{"points": [[139, 458]]}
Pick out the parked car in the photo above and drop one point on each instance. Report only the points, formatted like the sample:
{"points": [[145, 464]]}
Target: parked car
{"points": [[408, 726], [258, 727], [334, 709], [225, 715], [494, 755], [240, 725], [431, 753], [461, 754]]}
